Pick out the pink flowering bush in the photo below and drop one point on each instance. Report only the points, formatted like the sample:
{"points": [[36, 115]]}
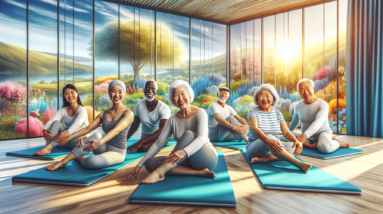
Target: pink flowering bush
{"points": [[49, 112], [34, 114], [14, 93], [321, 73], [103, 87], [35, 93], [35, 127]]}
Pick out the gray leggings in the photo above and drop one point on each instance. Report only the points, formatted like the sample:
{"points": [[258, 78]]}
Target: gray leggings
{"points": [[221, 133], [325, 142], [205, 157], [260, 149], [56, 128], [104, 156]]}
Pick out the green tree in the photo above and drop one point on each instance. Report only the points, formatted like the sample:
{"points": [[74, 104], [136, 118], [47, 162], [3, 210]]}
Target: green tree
{"points": [[136, 44]]}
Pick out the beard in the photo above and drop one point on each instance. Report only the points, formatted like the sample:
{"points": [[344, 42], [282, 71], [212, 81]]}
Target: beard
{"points": [[150, 100], [222, 100]]}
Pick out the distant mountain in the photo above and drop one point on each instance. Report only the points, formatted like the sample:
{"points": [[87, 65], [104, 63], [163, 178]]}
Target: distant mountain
{"points": [[13, 61], [67, 56]]}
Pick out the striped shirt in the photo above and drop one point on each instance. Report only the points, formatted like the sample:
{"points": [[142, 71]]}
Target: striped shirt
{"points": [[268, 122]]}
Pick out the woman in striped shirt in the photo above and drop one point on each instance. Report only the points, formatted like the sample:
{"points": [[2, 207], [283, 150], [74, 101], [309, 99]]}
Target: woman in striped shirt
{"points": [[265, 122]]}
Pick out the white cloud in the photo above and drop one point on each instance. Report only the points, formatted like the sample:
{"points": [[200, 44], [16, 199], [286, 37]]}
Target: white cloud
{"points": [[24, 6], [69, 7]]}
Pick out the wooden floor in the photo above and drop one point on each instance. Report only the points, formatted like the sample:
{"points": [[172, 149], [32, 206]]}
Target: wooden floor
{"points": [[112, 196]]}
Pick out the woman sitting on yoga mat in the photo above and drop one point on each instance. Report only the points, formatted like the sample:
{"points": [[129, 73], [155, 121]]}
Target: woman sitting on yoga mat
{"points": [[193, 153], [73, 116], [110, 149], [265, 122]]}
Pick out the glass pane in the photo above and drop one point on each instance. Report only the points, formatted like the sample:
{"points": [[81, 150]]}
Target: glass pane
{"points": [[235, 57], [269, 50], [106, 52], [196, 53], [342, 65], [181, 48], [66, 44], [13, 77], [42, 63], [219, 56], [257, 51], [83, 53]]}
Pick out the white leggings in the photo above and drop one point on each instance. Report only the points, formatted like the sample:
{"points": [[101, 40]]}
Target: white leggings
{"points": [[325, 142], [104, 156]]}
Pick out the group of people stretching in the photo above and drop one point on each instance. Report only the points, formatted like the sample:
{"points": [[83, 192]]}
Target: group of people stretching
{"points": [[191, 128]]}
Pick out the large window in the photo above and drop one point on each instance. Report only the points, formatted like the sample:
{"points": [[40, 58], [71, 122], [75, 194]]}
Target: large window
{"points": [[296, 44]]}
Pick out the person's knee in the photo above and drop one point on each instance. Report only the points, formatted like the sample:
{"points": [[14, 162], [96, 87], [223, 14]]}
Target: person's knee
{"points": [[231, 119], [271, 136], [324, 147], [289, 148], [96, 136], [188, 135], [56, 125]]}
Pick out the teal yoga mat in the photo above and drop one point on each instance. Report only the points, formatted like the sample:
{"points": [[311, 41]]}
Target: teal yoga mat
{"points": [[281, 175], [57, 152], [341, 152], [232, 144], [73, 174], [190, 190]]}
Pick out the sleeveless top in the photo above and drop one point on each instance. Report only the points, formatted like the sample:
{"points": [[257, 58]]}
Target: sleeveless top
{"points": [[120, 140]]}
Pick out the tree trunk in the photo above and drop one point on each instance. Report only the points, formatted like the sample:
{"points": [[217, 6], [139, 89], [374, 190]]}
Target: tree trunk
{"points": [[137, 66]]}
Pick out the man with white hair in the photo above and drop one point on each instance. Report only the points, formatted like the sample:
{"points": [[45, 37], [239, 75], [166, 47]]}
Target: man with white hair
{"points": [[222, 120], [152, 114], [313, 115]]}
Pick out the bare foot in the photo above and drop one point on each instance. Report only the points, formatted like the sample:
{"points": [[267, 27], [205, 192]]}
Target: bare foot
{"points": [[55, 166], [344, 144], [152, 178], [305, 167], [44, 151], [265, 159], [79, 158], [207, 173]]}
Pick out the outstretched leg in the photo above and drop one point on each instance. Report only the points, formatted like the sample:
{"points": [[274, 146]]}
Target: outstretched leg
{"points": [[76, 153]]}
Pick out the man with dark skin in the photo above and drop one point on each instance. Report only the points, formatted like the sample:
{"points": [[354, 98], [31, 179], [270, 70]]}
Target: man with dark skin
{"points": [[153, 114]]}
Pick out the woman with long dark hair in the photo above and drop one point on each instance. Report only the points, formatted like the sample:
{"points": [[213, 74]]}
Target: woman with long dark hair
{"points": [[73, 117]]}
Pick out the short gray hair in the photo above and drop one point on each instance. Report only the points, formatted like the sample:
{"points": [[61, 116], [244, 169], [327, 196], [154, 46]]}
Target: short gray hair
{"points": [[304, 80], [155, 83], [177, 84], [268, 88]]}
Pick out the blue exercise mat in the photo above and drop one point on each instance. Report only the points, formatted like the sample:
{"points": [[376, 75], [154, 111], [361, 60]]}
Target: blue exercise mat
{"points": [[57, 152], [73, 174], [232, 144], [336, 154], [190, 190], [281, 175]]}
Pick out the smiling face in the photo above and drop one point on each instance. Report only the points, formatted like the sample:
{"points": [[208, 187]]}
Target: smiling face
{"points": [[150, 91], [116, 93], [70, 95], [306, 90], [223, 96], [265, 99], [181, 97]]}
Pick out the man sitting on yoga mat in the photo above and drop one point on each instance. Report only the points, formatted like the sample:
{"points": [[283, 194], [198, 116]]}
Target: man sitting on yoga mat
{"points": [[152, 114], [265, 122], [222, 120], [193, 153], [110, 149], [313, 115], [73, 116]]}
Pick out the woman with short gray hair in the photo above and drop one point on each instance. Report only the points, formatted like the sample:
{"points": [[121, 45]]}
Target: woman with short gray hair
{"points": [[265, 122], [193, 153]]}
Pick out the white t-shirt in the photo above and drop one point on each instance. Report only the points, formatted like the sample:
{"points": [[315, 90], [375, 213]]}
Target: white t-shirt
{"points": [[150, 121], [225, 112]]}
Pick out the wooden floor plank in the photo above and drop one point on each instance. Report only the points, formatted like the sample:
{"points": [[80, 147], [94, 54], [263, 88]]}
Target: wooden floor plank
{"points": [[110, 195]]}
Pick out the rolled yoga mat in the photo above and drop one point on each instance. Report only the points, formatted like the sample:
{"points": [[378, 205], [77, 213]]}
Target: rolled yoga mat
{"points": [[281, 175], [57, 152], [190, 190], [341, 152], [231, 144], [73, 174]]}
